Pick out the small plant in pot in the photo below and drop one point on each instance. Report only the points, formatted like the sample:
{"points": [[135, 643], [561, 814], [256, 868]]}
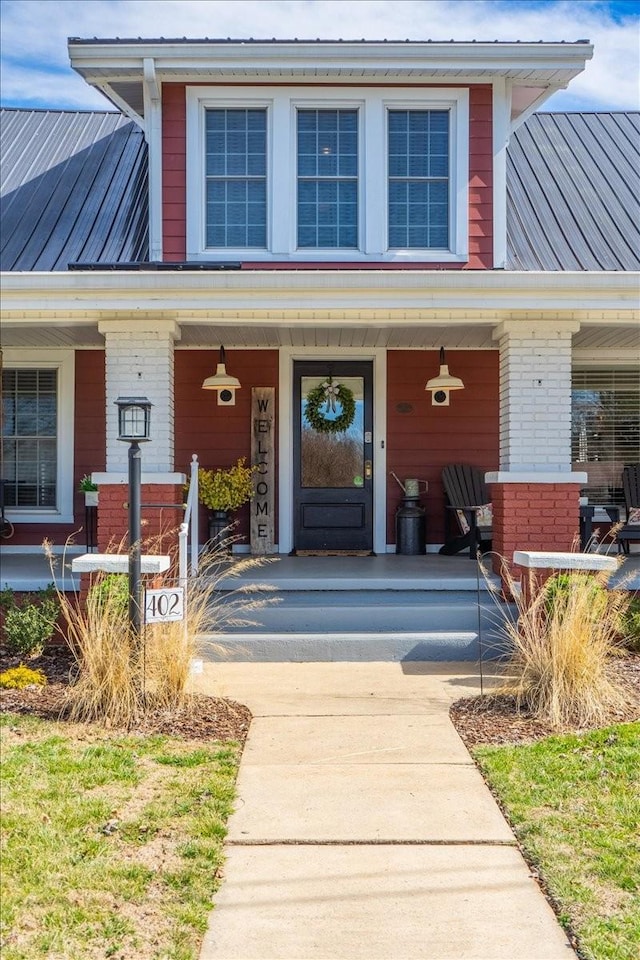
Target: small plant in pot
{"points": [[223, 491], [90, 490]]}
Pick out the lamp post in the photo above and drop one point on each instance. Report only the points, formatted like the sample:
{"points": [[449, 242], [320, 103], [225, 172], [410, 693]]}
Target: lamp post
{"points": [[133, 428]]}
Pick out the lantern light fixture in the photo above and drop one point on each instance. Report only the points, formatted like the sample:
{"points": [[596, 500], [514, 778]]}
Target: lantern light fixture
{"points": [[443, 383], [134, 419], [221, 380]]}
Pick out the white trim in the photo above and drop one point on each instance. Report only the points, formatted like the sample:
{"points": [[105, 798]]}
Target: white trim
{"points": [[153, 134], [64, 362], [285, 436], [546, 560], [501, 114], [146, 478], [119, 563], [286, 295], [530, 476], [281, 104]]}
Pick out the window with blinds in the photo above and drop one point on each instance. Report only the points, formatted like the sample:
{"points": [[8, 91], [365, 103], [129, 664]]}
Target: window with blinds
{"points": [[605, 429], [29, 438]]}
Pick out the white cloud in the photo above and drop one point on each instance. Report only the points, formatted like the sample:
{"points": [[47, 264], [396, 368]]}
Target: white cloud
{"points": [[35, 36]]}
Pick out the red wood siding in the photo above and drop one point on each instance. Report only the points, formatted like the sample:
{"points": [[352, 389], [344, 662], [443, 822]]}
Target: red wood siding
{"points": [[219, 435], [174, 171], [480, 187], [89, 432], [422, 441]]}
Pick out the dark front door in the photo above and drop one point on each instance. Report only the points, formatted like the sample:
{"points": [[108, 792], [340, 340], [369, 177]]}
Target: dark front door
{"points": [[333, 471]]}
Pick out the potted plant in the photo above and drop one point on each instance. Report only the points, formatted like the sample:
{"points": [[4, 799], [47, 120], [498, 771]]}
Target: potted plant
{"points": [[90, 490], [223, 491]]}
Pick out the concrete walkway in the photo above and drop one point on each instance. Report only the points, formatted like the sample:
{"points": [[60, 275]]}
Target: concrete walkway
{"points": [[363, 830]]}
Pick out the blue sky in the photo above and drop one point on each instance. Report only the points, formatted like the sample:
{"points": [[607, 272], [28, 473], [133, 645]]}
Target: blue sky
{"points": [[36, 72]]}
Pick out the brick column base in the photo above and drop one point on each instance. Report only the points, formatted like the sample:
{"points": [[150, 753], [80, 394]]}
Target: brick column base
{"points": [[534, 516], [161, 519]]}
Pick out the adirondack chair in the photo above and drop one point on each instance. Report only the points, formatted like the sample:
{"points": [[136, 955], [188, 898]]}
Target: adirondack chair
{"points": [[631, 486], [468, 510]]}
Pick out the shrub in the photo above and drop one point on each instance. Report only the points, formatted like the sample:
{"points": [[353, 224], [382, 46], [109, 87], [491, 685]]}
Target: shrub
{"points": [[563, 648], [7, 598], [17, 678], [31, 622], [112, 591], [630, 625], [226, 489]]}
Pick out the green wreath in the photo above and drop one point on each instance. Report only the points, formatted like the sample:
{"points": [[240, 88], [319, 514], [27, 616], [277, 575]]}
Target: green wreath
{"points": [[328, 393]]}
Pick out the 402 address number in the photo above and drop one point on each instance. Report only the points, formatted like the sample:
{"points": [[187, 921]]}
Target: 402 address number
{"points": [[164, 605]]}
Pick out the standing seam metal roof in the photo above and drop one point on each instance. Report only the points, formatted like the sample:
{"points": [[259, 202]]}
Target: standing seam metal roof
{"points": [[74, 190], [573, 192]]}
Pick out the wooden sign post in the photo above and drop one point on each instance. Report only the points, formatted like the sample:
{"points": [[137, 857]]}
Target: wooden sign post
{"points": [[263, 456]]}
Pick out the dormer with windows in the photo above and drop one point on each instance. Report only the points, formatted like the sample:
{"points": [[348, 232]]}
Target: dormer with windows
{"points": [[328, 153]]}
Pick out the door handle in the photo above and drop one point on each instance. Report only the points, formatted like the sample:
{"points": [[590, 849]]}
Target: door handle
{"points": [[368, 470]]}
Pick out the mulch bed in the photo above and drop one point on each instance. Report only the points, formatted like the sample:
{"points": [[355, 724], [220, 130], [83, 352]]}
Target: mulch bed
{"points": [[201, 717], [478, 720], [495, 719]]}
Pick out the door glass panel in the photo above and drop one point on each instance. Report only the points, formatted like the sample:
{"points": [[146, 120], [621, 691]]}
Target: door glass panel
{"points": [[333, 459]]}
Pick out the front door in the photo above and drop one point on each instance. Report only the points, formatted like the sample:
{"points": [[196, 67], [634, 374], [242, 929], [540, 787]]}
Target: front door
{"points": [[333, 470]]}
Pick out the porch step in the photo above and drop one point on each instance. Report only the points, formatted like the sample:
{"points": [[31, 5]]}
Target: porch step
{"points": [[352, 625], [343, 647]]}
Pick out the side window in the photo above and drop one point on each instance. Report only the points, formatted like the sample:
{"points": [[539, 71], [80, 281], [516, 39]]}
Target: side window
{"points": [[605, 428], [327, 179], [29, 438], [236, 178], [418, 188]]}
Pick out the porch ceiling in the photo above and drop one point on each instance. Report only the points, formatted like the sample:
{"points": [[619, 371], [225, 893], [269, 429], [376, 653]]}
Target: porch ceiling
{"points": [[420, 336]]}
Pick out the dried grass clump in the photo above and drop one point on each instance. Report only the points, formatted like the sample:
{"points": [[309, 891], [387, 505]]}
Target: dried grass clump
{"points": [[120, 677], [564, 646]]}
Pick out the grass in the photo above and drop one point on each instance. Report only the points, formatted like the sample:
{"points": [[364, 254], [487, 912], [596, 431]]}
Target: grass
{"points": [[574, 802], [110, 843]]}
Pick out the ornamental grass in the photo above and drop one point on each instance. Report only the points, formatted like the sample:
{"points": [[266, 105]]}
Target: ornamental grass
{"points": [[120, 677], [563, 649]]}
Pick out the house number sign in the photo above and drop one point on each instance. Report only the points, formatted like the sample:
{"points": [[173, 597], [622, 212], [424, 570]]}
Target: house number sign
{"points": [[164, 605], [263, 418]]}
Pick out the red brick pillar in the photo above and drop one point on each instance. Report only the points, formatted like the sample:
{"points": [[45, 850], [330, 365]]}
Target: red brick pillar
{"points": [[161, 517], [534, 516]]}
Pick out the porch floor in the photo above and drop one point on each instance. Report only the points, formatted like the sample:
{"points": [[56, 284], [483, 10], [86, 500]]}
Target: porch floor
{"points": [[29, 569]]}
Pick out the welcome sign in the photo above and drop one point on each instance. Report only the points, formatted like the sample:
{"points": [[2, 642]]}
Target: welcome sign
{"points": [[263, 450]]}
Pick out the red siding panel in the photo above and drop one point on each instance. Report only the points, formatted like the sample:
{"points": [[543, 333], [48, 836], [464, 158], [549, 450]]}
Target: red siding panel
{"points": [[174, 165], [422, 441], [219, 435]]}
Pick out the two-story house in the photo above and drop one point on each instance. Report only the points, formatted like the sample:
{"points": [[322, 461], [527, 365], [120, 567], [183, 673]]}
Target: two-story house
{"points": [[332, 213]]}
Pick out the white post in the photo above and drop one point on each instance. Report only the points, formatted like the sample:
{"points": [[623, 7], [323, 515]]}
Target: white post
{"points": [[195, 533]]}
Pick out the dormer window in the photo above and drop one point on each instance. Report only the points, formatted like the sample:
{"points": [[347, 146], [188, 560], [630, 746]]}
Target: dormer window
{"points": [[327, 160], [236, 178], [325, 173], [418, 148]]}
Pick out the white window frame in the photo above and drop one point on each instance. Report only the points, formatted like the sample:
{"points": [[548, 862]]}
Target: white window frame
{"points": [[64, 362], [282, 104]]}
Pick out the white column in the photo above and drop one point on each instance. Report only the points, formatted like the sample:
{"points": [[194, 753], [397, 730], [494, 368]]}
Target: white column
{"points": [[139, 363], [535, 400]]}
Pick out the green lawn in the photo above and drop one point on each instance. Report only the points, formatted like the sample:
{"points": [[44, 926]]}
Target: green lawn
{"points": [[574, 802], [110, 843]]}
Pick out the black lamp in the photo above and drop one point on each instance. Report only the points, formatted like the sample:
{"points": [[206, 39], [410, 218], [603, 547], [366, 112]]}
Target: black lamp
{"points": [[134, 421]]}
